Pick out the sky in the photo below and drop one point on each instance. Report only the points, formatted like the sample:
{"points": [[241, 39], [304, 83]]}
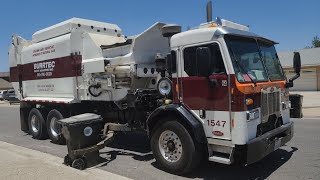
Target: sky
{"points": [[292, 23]]}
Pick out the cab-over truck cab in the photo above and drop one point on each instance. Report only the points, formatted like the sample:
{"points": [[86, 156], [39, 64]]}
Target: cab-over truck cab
{"points": [[230, 98]]}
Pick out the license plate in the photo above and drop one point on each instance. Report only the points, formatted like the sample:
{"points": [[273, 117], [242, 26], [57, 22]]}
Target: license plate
{"points": [[277, 144]]}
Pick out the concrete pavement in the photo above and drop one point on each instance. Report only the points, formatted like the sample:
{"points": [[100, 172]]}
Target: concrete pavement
{"points": [[130, 156], [21, 163], [6, 104]]}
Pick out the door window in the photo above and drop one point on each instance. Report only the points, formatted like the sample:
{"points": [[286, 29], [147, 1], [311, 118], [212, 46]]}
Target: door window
{"points": [[190, 63]]}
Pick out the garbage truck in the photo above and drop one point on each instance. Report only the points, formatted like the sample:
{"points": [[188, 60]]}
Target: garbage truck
{"points": [[216, 91]]}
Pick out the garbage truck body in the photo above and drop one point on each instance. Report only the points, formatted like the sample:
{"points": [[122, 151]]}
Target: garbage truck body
{"points": [[217, 91]]}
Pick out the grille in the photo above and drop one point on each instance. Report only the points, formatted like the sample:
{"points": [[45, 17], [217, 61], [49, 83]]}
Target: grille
{"points": [[270, 103]]}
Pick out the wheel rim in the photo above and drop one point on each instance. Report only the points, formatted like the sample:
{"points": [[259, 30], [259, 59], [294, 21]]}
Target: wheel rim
{"points": [[35, 124], [54, 127], [78, 164], [170, 146]]}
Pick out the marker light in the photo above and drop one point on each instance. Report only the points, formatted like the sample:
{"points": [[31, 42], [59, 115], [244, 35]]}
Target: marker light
{"points": [[177, 88], [232, 123], [212, 25], [249, 101]]}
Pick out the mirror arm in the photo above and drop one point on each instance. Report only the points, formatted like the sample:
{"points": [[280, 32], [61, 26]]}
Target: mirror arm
{"points": [[295, 77], [290, 83]]}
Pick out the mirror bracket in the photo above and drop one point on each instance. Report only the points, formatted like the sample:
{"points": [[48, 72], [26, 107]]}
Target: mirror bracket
{"points": [[289, 84]]}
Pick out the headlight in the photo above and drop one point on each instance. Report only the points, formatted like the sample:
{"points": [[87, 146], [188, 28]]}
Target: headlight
{"points": [[165, 86], [254, 114], [286, 105]]}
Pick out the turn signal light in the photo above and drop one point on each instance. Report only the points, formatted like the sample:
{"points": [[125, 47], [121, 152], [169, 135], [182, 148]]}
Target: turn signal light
{"points": [[177, 88], [249, 101]]}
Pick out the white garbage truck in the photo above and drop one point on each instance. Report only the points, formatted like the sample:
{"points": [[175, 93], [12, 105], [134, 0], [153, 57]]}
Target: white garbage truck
{"points": [[217, 91]]}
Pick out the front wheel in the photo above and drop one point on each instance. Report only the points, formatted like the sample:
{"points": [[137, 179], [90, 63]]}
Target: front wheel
{"points": [[174, 149]]}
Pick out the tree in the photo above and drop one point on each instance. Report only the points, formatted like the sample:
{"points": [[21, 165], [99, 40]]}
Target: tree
{"points": [[316, 42]]}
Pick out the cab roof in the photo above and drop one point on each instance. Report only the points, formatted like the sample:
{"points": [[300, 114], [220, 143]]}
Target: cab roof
{"points": [[208, 34]]}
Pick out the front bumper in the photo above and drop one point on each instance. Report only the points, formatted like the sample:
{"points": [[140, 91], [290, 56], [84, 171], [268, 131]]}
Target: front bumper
{"points": [[261, 146]]}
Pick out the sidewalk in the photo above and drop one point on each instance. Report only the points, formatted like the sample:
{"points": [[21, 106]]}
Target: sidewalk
{"points": [[21, 163]]}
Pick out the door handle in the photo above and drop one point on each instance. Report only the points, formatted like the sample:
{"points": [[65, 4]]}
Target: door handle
{"points": [[213, 83]]}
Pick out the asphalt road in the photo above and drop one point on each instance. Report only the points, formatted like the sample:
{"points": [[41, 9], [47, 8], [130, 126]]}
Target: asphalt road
{"points": [[130, 154]]}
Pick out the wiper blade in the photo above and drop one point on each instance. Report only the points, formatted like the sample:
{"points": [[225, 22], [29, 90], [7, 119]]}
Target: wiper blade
{"points": [[242, 69]]}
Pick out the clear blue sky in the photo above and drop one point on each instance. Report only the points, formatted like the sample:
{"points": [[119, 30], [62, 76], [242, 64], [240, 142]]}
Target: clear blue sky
{"points": [[293, 23]]}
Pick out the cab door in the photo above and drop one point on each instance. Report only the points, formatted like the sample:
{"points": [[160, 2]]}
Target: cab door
{"points": [[205, 88]]}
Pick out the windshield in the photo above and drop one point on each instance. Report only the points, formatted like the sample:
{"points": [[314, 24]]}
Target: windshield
{"points": [[271, 61], [254, 61]]}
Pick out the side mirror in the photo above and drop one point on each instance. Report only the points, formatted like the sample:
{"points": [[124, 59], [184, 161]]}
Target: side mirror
{"points": [[203, 60], [297, 69], [297, 62], [171, 61]]}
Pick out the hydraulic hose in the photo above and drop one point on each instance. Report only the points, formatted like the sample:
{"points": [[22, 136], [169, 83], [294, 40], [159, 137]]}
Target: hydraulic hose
{"points": [[96, 87]]}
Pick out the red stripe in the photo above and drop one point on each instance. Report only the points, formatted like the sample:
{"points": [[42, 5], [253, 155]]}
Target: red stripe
{"points": [[199, 96], [69, 66], [14, 74]]}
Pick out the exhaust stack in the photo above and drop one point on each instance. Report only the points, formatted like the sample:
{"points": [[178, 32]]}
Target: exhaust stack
{"points": [[209, 11]]}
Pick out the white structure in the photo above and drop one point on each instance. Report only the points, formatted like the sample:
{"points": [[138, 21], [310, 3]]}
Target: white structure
{"points": [[67, 59], [310, 72]]}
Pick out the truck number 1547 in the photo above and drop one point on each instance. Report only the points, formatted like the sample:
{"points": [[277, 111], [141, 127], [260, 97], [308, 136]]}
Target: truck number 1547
{"points": [[216, 123]]}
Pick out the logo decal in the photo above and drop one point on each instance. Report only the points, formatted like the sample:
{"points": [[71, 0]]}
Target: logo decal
{"points": [[272, 89]]}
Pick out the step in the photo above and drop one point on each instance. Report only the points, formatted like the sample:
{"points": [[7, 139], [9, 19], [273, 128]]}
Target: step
{"points": [[220, 160]]}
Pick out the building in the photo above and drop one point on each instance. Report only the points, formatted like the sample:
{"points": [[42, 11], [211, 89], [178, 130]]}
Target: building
{"points": [[310, 69], [4, 81]]}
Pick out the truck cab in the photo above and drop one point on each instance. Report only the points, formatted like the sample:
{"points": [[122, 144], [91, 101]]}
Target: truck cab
{"points": [[231, 81]]}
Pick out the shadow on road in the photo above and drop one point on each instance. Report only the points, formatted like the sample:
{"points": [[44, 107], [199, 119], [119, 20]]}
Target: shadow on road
{"points": [[134, 144], [260, 170], [137, 146]]}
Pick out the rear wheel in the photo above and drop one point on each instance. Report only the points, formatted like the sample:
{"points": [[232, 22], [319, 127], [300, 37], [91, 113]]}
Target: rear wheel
{"points": [[67, 160], [174, 148], [37, 127], [53, 128]]}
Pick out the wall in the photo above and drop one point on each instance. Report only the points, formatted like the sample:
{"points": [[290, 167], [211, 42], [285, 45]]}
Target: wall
{"points": [[318, 78]]}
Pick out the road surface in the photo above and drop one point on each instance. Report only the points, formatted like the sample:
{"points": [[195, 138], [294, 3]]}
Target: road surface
{"points": [[130, 155]]}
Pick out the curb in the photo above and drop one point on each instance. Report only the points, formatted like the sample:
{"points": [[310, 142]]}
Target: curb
{"points": [[310, 107]]}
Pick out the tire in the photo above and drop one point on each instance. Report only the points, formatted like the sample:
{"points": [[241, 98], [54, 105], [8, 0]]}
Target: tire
{"points": [[53, 128], [79, 163], [185, 155], [67, 160], [36, 123]]}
